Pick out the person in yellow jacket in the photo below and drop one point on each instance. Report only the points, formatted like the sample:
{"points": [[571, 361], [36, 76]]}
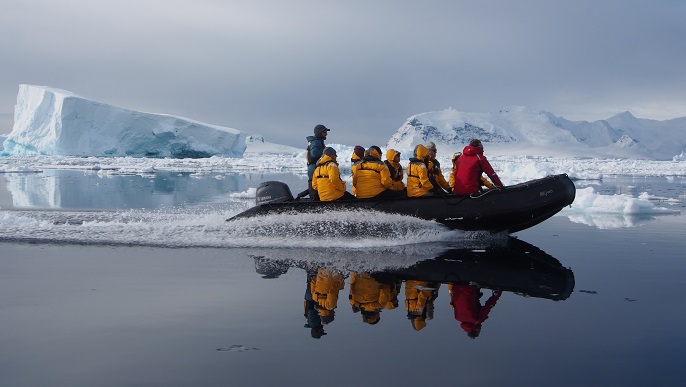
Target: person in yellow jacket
{"points": [[312, 318], [324, 288], [370, 296], [435, 173], [356, 158], [393, 163], [326, 179], [484, 180], [419, 302], [371, 177], [418, 183]]}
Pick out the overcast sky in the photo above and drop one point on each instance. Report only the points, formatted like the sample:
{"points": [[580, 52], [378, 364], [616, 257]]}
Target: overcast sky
{"points": [[360, 67]]}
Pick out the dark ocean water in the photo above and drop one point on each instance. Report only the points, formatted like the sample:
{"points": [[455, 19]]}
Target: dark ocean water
{"points": [[90, 295]]}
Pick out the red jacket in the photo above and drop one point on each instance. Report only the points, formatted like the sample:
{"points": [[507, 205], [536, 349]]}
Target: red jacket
{"points": [[468, 169], [468, 309]]}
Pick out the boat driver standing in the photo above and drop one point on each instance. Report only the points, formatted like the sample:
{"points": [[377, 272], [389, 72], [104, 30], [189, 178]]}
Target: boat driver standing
{"points": [[315, 149]]}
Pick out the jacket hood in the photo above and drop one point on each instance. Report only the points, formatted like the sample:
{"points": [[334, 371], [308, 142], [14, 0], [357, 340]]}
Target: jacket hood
{"points": [[310, 138], [354, 158], [472, 150], [390, 154], [373, 153], [420, 152], [418, 323], [325, 159]]}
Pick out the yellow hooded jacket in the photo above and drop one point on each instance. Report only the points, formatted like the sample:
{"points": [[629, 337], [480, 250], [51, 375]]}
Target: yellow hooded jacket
{"points": [[395, 169], [418, 183], [327, 180], [417, 294], [325, 287], [368, 294], [435, 171], [354, 160], [371, 176]]}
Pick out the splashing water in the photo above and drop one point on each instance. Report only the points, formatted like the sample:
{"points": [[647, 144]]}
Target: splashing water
{"points": [[209, 228]]}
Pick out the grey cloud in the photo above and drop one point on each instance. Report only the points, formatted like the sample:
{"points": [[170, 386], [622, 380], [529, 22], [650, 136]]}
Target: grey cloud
{"points": [[278, 68]]}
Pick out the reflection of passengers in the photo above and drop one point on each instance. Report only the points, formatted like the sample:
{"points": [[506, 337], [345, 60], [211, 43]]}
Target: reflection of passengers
{"points": [[419, 301], [369, 296], [372, 178], [468, 309], [325, 287], [312, 317]]}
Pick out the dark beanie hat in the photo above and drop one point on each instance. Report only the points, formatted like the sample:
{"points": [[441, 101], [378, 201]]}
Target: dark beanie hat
{"points": [[329, 151], [359, 151], [319, 129]]}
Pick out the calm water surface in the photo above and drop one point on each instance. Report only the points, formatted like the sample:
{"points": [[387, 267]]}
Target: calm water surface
{"points": [[563, 303]]}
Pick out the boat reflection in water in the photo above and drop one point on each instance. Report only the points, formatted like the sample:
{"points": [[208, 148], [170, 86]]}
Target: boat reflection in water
{"points": [[473, 278]]}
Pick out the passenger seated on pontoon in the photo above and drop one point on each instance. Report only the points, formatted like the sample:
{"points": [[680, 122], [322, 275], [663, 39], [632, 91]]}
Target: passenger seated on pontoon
{"points": [[468, 169]]}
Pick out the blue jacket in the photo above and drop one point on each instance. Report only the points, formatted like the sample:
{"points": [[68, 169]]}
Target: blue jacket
{"points": [[316, 147]]}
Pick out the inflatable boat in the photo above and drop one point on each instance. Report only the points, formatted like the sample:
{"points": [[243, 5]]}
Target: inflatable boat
{"points": [[508, 209]]}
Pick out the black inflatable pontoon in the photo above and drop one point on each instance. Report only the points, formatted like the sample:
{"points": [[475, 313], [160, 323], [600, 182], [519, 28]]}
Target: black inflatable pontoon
{"points": [[511, 209]]}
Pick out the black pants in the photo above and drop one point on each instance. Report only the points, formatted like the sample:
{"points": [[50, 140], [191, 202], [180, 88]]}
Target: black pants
{"points": [[314, 195], [389, 194], [346, 196]]}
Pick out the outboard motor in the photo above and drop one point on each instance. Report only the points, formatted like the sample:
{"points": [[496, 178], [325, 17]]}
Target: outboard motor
{"points": [[273, 192]]}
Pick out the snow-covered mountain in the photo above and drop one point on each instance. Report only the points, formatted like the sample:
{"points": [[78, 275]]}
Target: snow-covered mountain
{"points": [[519, 130], [50, 121]]}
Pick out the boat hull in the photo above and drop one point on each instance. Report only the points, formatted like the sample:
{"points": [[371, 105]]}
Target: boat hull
{"points": [[509, 209]]}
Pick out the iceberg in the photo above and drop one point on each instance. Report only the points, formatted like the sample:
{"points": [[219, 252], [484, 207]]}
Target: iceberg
{"points": [[50, 121]]}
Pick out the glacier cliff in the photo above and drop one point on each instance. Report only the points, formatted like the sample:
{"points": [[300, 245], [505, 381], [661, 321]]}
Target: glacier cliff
{"points": [[50, 121]]}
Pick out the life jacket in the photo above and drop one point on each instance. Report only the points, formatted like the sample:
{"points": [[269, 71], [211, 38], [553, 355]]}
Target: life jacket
{"points": [[418, 182], [327, 181], [371, 177], [394, 168]]}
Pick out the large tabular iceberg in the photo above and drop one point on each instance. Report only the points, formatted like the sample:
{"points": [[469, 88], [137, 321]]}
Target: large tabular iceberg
{"points": [[56, 122]]}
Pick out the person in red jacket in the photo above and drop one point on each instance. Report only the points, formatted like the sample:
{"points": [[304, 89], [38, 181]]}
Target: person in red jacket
{"points": [[468, 309], [468, 169]]}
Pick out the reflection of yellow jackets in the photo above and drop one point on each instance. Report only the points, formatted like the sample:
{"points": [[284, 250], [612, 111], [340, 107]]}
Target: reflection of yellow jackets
{"points": [[371, 176], [368, 294], [417, 295], [326, 180], [325, 287]]}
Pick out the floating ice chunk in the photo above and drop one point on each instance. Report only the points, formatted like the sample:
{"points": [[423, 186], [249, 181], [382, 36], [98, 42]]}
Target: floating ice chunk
{"points": [[49, 121]]}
